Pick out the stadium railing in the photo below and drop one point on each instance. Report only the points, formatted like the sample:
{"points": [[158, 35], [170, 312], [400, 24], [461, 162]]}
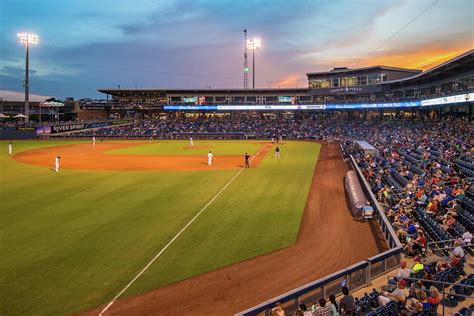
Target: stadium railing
{"points": [[354, 277]]}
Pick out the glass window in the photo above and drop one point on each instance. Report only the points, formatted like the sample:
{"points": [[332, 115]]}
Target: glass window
{"points": [[373, 79], [335, 82], [351, 81], [319, 83], [361, 81]]}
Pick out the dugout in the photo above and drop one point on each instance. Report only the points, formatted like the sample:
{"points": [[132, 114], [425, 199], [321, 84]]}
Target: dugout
{"points": [[356, 194]]}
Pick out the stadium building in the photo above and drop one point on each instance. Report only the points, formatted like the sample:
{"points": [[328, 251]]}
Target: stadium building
{"points": [[446, 88]]}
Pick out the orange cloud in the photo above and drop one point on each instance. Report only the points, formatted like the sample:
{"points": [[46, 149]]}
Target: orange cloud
{"points": [[291, 81], [422, 58]]}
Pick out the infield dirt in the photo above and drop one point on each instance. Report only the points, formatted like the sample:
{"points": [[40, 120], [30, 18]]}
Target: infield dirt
{"points": [[89, 157]]}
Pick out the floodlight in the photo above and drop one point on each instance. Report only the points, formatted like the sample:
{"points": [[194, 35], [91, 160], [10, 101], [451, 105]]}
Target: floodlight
{"points": [[28, 38]]}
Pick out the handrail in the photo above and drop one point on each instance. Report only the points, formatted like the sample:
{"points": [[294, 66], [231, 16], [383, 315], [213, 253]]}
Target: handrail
{"points": [[442, 241], [434, 281], [303, 289], [460, 246], [376, 203]]}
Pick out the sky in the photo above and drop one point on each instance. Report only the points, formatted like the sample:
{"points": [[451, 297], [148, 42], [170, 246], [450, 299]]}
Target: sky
{"points": [[89, 44]]}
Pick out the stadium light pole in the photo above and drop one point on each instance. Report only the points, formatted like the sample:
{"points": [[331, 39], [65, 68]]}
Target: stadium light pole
{"points": [[253, 44], [27, 39]]}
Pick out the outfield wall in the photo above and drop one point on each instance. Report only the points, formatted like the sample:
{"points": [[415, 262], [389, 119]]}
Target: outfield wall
{"points": [[26, 133]]}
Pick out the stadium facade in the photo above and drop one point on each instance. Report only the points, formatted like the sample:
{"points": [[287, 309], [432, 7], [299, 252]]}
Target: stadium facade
{"points": [[377, 87]]}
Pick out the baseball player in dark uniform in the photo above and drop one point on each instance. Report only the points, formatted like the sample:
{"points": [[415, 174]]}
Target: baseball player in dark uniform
{"points": [[247, 163]]}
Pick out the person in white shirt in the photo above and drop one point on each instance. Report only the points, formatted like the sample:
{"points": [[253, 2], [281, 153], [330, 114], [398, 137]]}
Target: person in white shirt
{"points": [[457, 251], [305, 310], [209, 158], [191, 144], [56, 164], [93, 140], [467, 237], [10, 149]]}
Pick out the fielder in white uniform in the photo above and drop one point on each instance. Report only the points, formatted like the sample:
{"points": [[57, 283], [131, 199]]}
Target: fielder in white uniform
{"points": [[56, 164], [10, 149], [209, 158], [93, 140], [191, 144]]}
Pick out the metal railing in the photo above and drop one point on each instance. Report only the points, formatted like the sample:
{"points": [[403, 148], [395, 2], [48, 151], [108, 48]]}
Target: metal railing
{"points": [[354, 277]]}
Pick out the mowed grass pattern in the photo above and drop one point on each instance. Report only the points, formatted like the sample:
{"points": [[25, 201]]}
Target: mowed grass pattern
{"points": [[200, 148], [73, 240]]}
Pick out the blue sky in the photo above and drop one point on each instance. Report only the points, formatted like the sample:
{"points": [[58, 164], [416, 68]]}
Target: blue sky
{"points": [[86, 44]]}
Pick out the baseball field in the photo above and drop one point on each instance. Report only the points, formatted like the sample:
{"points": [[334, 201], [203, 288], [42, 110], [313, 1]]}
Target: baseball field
{"points": [[75, 239]]}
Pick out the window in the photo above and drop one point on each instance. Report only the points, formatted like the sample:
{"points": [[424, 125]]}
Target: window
{"points": [[326, 83], [335, 82], [373, 79], [351, 81], [319, 83]]}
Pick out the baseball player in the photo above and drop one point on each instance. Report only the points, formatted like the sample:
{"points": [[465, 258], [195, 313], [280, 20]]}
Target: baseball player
{"points": [[277, 152], [10, 149], [93, 140], [56, 163], [247, 163], [191, 144], [209, 158]]}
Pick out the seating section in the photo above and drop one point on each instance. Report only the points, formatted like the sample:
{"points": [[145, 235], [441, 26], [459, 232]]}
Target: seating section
{"points": [[369, 304], [424, 176]]}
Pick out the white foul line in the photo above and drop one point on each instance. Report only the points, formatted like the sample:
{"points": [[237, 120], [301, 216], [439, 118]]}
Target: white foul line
{"points": [[174, 238]]}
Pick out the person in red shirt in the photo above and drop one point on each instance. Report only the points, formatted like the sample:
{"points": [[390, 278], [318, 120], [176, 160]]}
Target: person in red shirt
{"points": [[434, 298], [416, 244], [448, 222]]}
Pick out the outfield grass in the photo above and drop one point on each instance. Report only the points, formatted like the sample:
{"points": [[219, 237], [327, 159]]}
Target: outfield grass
{"points": [[73, 240], [180, 147]]}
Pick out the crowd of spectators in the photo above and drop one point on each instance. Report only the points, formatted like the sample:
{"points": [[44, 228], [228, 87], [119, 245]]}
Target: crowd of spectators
{"points": [[240, 126]]}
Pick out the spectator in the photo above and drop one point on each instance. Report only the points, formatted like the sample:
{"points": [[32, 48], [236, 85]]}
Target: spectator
{"points": [[298, 312], [334, 306], [305, 311], [448, 222], [399, 294], [466, 238], [431, 258], [418, 266], [278, 310], [457, 251], [322, 310], [413, 305], [404, 272], [434, 296], [347, 303]]}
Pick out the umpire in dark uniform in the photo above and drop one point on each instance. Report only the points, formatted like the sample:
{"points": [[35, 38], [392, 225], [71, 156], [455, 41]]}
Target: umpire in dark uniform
{"points": [[247, 163]]}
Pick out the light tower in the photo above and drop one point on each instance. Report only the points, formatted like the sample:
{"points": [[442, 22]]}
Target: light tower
{"points": [[27, 39], [253, 44], [246, 67]]}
